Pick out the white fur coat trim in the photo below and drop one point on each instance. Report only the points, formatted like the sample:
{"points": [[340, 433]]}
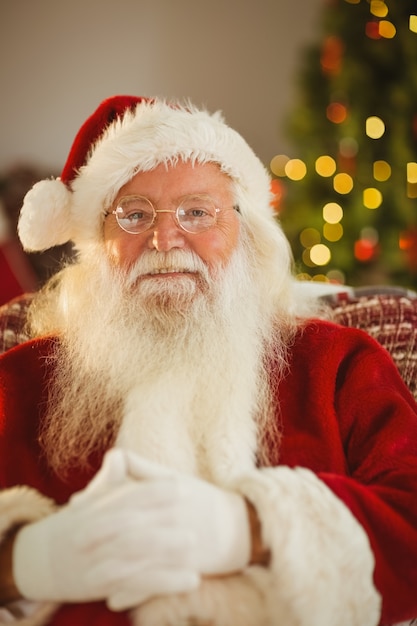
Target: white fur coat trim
{"points": [[22, 505], [320, 574]]}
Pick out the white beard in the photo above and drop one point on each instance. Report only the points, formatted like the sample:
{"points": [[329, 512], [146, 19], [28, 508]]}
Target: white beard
{"points": [[175, 367]]}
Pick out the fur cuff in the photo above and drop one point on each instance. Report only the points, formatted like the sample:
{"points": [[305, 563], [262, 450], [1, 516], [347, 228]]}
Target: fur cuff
{"points": [[322, 565], [22, 505]]}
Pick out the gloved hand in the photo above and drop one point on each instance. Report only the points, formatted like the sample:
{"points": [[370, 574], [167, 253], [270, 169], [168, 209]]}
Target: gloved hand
{"points": [[215, 519], [103, 545]]}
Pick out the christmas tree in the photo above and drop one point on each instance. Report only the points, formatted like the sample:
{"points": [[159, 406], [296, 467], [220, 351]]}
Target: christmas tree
{"points": [[349, 192]]}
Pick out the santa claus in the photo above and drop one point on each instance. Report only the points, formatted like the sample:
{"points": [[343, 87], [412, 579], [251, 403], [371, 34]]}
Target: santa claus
{"points": [[183, 441]]}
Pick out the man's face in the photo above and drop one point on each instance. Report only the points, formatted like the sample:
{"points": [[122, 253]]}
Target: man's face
{"points": [[165, 188]]}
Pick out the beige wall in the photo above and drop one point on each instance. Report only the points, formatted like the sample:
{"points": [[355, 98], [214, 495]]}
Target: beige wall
{"points": [[59, 59]]}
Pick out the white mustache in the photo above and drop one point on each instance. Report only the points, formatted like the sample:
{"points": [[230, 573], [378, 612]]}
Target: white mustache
{"points": [[154, 262]]}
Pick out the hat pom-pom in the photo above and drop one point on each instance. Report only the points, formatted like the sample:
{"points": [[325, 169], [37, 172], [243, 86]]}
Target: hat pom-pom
{"points": [[45, 218]]}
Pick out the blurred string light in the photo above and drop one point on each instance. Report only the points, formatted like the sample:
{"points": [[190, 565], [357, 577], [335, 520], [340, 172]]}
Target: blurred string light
{"points": [[382, 171], [412, 180], [348, 147], [375, 127], [332, 213], [331, 55], [316, 253], [343, 183], [383, 28], [325, 166], [295, 169], [366, 247], [372, 198], [336, 112], [412, 172], [378, 8]]}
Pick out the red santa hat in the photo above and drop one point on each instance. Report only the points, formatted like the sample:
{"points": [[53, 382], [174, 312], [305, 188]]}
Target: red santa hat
{"points": [[125, 135]]}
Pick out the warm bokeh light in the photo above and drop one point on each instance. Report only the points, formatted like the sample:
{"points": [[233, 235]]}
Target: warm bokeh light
{"points": [[309, 237], [332, 212], [372, 30], [412, 190], [336, 276], [336, 112], [325, 166], [412, 172], [413, 23], [406, 240], [333, 232], [382, 170], [320, 254], [375, 127], [372, 198], [319, 278], [364, 250], [331, 55], [348, 147], [306, 258], [378, 8], [295, 169], [343, 183], [370, 234], [277, 189], [387, 29], [278, 164]]}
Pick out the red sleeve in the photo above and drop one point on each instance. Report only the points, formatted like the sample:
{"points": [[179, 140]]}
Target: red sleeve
{"points": [[349, 417]]}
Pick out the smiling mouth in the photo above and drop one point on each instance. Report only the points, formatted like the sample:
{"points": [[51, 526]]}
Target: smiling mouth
{"points": [[171, 270]]}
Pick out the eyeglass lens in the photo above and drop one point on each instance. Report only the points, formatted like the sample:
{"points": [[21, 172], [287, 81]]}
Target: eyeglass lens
{"points": [[135, 214]]}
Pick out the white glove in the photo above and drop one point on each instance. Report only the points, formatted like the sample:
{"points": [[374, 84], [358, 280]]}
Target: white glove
{"points": [[215, 519], [103, 545]]}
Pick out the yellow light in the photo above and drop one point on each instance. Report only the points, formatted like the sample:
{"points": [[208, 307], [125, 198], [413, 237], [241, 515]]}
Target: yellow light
{"points": [[378, 8], [387, 29], [306, 259], [295, 169], [375, 127], [309, 237], [413, 23], [382, 170], [343, 183], [333, 232], [412, 172], [372, 198], [320, 254], [278, 163], [325, 166], [332, 212], [412, 190]]}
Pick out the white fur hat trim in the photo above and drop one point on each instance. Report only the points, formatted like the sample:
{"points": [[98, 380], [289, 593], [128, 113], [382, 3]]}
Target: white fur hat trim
{"points": [[45, 219]]}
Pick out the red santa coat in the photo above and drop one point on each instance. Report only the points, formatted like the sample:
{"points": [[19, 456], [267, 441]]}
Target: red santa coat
{"points": [[348, 450]]}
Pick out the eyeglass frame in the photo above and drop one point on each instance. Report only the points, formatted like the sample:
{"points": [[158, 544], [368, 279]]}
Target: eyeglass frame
{"points": [[217, 210]]}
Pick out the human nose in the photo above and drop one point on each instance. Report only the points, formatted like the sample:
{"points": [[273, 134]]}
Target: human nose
{"points": [[166, 233]]}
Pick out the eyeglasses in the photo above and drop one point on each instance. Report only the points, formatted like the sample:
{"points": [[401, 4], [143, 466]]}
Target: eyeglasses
{"points": [[195, 214]]}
